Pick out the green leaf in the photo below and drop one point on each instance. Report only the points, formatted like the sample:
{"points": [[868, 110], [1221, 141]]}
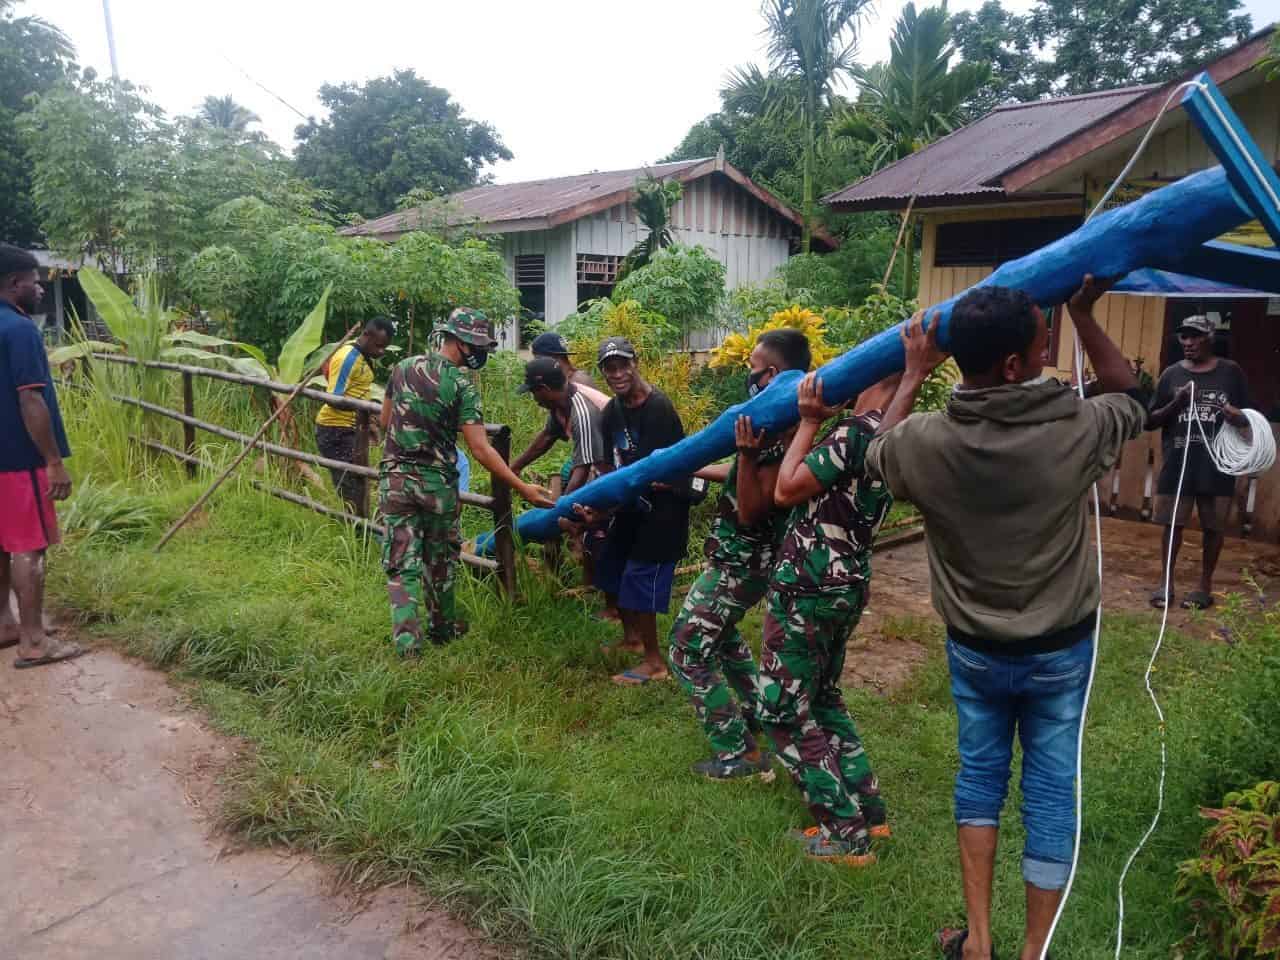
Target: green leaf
{"points": [[246, 366], [205, 340], [74, 351], [113, 304], [303, 341]]}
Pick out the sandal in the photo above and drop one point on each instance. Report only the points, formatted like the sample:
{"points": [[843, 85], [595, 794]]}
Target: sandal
{"points": [[26, 663], [1197, 600], [952, 942]]}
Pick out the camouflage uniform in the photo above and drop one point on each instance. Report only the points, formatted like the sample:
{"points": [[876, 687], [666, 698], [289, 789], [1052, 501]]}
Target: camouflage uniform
{"points": [[705, 645], [431, 399], [816, 596]]}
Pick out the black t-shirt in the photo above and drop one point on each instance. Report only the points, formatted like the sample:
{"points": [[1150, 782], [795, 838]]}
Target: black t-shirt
{"points": [[656, 527], [1224, 383]]}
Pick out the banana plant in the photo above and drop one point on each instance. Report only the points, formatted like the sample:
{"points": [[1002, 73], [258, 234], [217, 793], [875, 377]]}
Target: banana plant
{"points": [[145, 330]]}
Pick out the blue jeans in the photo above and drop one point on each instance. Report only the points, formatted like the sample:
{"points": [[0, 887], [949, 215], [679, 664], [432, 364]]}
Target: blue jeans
{"points": [[1042, 695]]}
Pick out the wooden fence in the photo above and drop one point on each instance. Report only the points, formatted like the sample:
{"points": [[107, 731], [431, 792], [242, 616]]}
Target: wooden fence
{"points": [[498, 503]]}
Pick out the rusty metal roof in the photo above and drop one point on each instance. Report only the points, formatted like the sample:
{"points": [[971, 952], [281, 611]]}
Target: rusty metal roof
{"points": [[542, 204], [965, 166], [535, 200]]}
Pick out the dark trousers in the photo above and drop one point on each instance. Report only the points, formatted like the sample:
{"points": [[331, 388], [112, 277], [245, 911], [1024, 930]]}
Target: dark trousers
{"points": [[339, 443]]}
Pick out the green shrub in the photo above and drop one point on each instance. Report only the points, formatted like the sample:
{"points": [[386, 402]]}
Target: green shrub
{"points": [[1233, 887]]}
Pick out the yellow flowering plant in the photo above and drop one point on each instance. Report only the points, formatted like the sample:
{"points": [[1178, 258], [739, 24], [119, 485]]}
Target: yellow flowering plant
{"points": [[736, 348]]}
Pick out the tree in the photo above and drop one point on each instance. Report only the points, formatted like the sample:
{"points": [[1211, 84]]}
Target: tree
{"points": [[1086, 45], [34, 55], [811, 46], [223, 113], [916, 96], [117, 182], [390, 136], [683, 284], [653, 203]]}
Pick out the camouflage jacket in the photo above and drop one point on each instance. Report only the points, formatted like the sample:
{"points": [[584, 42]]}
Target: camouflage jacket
{"points": [[729, 544], [827, 544], [431, 399]]}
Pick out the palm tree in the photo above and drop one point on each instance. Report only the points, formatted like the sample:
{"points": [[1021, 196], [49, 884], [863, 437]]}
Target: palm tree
{"points": [[653, 203], [223, 113], [811, 47], [916, 97], [912, 100]]}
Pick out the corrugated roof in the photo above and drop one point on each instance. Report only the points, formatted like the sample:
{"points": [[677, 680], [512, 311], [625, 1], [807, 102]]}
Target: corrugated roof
{"points": [[534, 199], [965, 165]]}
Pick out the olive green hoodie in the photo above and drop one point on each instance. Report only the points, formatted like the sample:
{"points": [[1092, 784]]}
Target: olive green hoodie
{"points": [[1001, 477]]}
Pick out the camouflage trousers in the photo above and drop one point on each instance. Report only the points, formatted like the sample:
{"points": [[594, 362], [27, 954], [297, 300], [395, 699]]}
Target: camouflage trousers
{"points": [[420, 554], [803, 711], [707, 650]]}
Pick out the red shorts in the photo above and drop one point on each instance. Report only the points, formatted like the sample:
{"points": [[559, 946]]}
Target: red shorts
{"points": [[27, 519]]}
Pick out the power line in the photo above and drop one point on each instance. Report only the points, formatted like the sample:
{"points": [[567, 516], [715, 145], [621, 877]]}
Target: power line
{"points": [[262, 87]]}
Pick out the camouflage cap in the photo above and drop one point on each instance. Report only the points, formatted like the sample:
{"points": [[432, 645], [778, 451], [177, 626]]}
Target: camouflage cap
{"points": [[470, 326]]}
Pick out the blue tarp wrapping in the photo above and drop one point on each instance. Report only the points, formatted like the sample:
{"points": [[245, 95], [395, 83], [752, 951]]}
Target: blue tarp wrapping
{"points": [[1182, 215]]}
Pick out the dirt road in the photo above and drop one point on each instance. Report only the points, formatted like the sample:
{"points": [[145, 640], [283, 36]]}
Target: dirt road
{"points": [[106, 851]]}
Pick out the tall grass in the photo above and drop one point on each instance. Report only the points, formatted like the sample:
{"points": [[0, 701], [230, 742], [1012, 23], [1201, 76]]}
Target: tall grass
{"points": [[508, 776]]}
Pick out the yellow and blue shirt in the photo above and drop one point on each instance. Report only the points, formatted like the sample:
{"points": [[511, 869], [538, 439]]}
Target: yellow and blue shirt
{"points": [[349, 375]]}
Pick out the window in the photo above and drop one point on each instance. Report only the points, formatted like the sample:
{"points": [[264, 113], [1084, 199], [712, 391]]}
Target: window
{"points": [[988, 243], [531, 270], [598, 268]]}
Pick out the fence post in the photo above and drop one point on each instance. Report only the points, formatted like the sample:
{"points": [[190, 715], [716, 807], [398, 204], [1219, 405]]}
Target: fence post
{"points": [[189, 430], [361, 457], [503, 540]]}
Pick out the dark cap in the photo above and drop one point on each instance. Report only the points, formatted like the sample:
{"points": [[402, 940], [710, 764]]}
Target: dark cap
{"points": [[615, 347], [549, 344], [1200, 325], [542, 372]]}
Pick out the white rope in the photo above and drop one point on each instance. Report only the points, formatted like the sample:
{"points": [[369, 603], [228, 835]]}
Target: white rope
{"points": [[1097, 628], [1242, 454]]}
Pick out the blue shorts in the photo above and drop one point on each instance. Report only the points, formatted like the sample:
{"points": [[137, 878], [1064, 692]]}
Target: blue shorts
{"points": [[641, 586], [1040, 699]]}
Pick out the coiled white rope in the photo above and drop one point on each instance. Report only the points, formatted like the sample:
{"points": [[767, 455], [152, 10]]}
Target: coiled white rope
{"points": [[1239, 454]]}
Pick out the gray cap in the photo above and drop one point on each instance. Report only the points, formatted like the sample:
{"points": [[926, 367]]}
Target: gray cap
{"points": [[1198, 324]]}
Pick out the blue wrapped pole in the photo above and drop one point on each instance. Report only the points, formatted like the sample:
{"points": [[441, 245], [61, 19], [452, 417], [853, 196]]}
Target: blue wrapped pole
{"points": [[1178, 217]]}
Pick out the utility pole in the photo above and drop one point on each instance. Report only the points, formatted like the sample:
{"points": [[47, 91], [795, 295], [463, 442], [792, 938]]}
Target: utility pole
{"points": [[111, 39]]}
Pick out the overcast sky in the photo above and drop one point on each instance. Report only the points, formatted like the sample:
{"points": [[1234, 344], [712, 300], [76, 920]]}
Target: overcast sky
{"points": [[571, 86]]}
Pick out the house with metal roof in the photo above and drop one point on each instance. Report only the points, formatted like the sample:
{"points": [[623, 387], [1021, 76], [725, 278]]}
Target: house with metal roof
{"points": [[1025, 174], [564, 238]]}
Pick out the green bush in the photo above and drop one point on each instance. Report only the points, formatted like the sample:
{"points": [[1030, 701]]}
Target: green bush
{"points": [[1233, 887]]}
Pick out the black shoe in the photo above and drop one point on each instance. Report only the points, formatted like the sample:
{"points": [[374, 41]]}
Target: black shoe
{"points": [[739, 768]]}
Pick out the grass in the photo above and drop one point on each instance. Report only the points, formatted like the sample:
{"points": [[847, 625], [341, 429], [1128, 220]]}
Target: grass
{"points": [[555, 810]]}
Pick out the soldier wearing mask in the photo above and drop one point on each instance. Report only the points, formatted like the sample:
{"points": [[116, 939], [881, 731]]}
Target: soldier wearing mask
{"points": [[428, 401], [708, 655]]}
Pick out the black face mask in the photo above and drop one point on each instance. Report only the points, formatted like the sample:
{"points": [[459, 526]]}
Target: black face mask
{"points": [[753, 382], [476, 358]]}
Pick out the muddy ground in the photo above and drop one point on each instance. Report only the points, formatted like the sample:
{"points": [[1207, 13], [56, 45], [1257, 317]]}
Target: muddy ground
{"points": [[886, 649]]}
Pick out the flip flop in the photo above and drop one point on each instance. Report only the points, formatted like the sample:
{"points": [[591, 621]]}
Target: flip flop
{"points": [[952, 941], [634, 678], [26, 663], [1197, 600], [6, 644]]}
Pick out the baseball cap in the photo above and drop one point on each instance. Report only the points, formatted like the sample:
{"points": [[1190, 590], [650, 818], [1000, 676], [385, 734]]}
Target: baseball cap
{"points": [[615, 347], [1198, 324], [541, 372], [549, 344]]}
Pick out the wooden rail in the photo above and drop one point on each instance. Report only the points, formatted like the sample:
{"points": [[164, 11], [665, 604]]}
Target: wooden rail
{"points": [[499, 503]]}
